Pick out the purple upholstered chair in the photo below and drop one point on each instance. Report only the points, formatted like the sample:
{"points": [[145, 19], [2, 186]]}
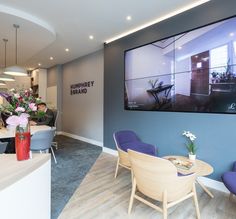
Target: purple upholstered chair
{"points": [[125, 140], [229, 179]]}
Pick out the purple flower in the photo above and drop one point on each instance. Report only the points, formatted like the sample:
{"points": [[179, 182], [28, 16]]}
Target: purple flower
{"points": [[5, 95]]}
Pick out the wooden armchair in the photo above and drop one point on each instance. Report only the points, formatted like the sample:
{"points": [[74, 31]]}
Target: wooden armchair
{"points": [[127, 139], [157, 178]]}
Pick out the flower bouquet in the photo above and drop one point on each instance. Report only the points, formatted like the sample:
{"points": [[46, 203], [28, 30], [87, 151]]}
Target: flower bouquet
{"points": [[18, 102], [21, 105]]}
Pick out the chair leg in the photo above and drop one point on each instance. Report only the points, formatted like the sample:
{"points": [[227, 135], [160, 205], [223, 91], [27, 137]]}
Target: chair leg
{"points": [[231, 196], [117, 166], [196, 201], [132, 176], [164, 205], [132, 196], [53, 155], [54, 144]]}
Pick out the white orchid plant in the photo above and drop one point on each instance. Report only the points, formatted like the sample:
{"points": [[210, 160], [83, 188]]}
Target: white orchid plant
{"points": [[190, 145]]}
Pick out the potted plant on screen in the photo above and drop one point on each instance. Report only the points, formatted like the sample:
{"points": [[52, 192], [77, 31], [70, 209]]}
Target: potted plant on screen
{"points": [[190, 144], [153, 83]]}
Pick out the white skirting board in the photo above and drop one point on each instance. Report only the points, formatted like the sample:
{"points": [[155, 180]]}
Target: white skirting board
{"points": [[214, 184], [90, 141]]}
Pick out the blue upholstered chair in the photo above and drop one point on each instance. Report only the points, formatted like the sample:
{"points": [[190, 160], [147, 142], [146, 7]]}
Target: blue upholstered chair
{"points": [[41, 141], [125, 140], [3, 146], [229, 179]]}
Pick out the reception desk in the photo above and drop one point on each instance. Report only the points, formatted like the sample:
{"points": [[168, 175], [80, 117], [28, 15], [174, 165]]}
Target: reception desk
{"points": [[10, 133], [25, 187]]}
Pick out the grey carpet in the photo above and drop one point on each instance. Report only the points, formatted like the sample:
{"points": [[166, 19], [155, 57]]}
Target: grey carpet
{"points": [[74, 159]]}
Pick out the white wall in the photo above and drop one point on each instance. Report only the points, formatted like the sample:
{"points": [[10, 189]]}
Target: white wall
{"points": [[22, 82], [52, 97], [144, 64], [183, 78], [40, 79], [146, 61], [43, 84], [82, 114]]}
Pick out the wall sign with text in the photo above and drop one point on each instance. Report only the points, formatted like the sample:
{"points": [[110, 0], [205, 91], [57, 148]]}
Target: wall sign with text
{"points": [[81, 88]]}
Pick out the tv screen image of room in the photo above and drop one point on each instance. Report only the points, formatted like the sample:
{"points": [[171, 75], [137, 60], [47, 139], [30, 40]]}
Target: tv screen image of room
{"points": [[194, 71]]}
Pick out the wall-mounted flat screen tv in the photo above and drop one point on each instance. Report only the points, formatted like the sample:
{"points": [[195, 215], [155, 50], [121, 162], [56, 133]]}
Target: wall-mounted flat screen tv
{"points": [[194, 71]]}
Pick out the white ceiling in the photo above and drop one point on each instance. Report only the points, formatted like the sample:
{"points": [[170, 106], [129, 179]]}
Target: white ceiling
{"points": [[47, 27]]}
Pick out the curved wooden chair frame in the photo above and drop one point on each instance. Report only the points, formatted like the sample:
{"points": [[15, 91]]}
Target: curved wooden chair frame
{"points": [[123, 158], [157, 179]]}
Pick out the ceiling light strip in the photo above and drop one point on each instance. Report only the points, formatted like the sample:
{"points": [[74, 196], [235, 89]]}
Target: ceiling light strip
{"points": [[171, 14]]}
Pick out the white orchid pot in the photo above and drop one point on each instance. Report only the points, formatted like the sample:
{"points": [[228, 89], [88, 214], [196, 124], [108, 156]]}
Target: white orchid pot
{"points": [[192, 156]]}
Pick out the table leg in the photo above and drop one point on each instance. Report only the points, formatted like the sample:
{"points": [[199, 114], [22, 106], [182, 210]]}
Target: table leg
{"points": [[205, 189]]}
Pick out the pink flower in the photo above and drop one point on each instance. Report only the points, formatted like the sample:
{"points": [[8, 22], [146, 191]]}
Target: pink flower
{"points": [[13, 120], [17, 95], [24, 115], [20, 109], [23, 119], [18, 120], [33, 106]]}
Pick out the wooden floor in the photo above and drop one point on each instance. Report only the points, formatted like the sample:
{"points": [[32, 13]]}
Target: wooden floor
{"points": [[101, 196]]}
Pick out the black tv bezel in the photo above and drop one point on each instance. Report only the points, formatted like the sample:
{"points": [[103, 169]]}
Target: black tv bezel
{"points": [[166, 111]]}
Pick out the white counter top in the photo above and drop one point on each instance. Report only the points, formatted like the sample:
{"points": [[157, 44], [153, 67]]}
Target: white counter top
{"points": [[12, 170], [10, 133], [25, 187]]}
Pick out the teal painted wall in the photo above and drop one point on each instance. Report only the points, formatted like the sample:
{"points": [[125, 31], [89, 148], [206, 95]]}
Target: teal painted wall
{"points": [[216, 133]]}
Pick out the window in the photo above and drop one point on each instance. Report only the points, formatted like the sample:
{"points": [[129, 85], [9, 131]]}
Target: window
{"points": [[235, 48], [219, 59]]}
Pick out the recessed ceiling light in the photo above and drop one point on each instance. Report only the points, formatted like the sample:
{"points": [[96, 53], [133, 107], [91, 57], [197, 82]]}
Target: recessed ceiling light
{"points": [[128, 18], [39, 64], [231, 34], [91, 37], [159, 19], [67, 50], [51, 58], [180, 47]]}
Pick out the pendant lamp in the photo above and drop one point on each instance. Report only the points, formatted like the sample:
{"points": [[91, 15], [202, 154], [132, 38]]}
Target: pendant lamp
{"points": [[15, 70], [4, 77]]}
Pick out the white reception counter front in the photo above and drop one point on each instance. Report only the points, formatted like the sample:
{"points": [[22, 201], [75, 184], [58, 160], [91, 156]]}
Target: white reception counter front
{"points": [[25, 187]]}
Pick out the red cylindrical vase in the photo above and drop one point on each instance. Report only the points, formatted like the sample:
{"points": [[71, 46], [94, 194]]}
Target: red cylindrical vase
{"points": [[22, 143]]}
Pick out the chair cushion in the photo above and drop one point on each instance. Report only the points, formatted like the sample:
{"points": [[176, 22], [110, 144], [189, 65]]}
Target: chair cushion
{"points": [[229, 179], [125, 136], [140, 147]]}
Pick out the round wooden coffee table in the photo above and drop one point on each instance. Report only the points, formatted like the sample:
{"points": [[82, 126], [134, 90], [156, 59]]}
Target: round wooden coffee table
{"points": [[199, 167]]}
